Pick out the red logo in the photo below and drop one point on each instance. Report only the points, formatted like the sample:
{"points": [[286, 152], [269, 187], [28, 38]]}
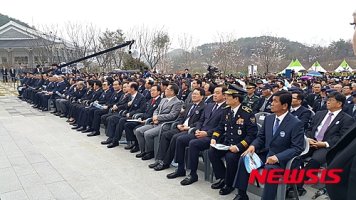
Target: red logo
{"points": [[296, 176]]}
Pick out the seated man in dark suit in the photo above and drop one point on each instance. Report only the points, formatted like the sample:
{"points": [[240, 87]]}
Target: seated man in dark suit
{"points": [[200, 139], [347, 91], [119, 106], [184, 91], [326, 129], [186, 121], [320, 103], [237, 130], [80, 100], [299, 111], [86, 115], [312, 97], [281, 136], [137, 104], [59, 86], [351, 109], [114, 99], [97, 91], [209, 91], [146, 92], [264, 104]]}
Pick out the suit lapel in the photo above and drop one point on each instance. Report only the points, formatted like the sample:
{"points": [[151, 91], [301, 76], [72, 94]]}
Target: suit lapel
{"points": [[210, 112], [269, 125], [337, 118], [162, 105]]}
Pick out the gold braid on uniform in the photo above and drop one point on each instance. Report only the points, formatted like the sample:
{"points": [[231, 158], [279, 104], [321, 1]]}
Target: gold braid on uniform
{"points": [[216, 134], [247, 109], [244, 143]]}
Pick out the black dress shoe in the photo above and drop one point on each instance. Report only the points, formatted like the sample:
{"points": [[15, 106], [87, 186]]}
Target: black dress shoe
{"points": [[112, 145], [148, 156], [140, 155], [88, 130], [153, 165], [226, 190], [189, 180], [62, 115], [218, 185], [44, 109], [106, 142], [241, 197], [93, 134], [135, 149], [81, 129], [130, 146], [75, 127], [161, 167], [54, 112], [175, 174]]}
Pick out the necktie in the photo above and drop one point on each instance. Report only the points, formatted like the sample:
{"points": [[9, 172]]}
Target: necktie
{"points": [[292, 110], [276, 125], [214, 108], [232, 113], [325, 126], [191, 110], [153, 102]]}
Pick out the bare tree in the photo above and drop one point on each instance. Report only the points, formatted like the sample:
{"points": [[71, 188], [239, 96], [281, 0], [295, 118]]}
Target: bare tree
{"points": [[270, 52], [153, 44], [226, 54], [46, 47], [106, 40], [185, 42], [82, 38]]}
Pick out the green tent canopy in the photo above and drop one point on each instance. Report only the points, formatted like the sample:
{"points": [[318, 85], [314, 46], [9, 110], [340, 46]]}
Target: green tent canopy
{"points": [[294, 65], [317, 67], [344, 67]]}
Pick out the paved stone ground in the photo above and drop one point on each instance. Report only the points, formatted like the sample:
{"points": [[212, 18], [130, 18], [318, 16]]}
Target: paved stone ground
{"points": [[42, 158], [8, 89]]}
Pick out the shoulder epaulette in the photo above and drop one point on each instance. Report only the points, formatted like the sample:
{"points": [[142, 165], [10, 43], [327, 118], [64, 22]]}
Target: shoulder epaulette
{"points": [[247, 109]]}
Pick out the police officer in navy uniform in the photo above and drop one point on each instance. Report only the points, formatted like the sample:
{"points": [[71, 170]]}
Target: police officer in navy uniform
{"points": [[237, 130]]}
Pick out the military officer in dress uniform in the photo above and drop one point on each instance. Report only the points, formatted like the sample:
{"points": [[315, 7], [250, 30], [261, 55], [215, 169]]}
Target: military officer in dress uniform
{"points": [[237, 130], [251, 99]]}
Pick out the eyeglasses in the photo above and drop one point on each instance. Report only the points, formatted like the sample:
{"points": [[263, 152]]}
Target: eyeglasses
{"points": [[249, 88]]}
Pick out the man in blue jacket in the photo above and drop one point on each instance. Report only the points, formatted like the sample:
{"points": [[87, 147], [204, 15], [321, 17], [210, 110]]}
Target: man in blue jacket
{"points": [[281, 138]]}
